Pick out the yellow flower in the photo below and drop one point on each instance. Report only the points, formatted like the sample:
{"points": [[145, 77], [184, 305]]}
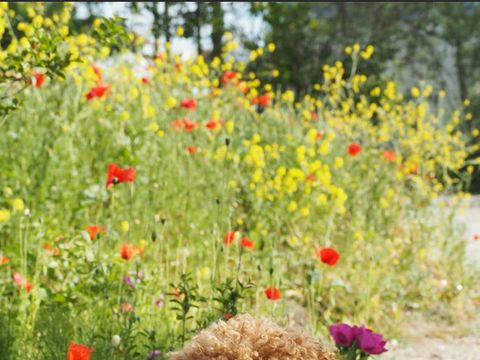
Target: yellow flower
{"points": [[271, 47], [125, 226], [415, 91], [293, 241], [17, 204], [4, 215], [170, 102], [275, 73], [124, 115], [180, 31], [368, 52], [338, 163], [304, 212], [229, 126], [292, 206]]}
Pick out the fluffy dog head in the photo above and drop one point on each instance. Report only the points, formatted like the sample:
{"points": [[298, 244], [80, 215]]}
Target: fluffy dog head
{"points": [[246, 338]]}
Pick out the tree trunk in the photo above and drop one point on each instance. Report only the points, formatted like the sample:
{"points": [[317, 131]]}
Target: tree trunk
{"points": [[156, 25], [166, 22], [218, 28], [198, 26]]}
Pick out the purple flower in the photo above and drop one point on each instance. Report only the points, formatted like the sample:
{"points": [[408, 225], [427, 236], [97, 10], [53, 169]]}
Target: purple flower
{"points": [[128, 280], [370, 342], [159, 301], [343, 334], [154, 354]]}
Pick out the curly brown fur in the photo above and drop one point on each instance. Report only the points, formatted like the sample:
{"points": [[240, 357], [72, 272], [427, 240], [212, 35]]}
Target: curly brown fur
{"points": [[246, 338]]}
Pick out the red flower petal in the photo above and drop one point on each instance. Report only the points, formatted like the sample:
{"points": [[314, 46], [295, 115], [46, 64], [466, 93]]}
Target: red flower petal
{"points": [[273, 293], [328, 256], [246, 243], [189, 104], [117, 175], [78, 352], [229, 237], [354, 149], [93, 230]]}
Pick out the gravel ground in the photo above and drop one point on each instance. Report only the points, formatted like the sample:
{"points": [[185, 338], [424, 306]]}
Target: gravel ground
{"points": [[431, 347]]}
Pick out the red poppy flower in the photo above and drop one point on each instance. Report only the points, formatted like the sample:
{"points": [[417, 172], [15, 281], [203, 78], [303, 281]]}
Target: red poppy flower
{"points": [[117, 175], [78, 352], [328, 256], [97, 91], [21, 281], [189, 125], [145, 80], [354, 149], [319, 135], [4, 260], [93, 230], [178, 66], [212, 124], [273, 293], [128, 251], [262, 100], [246, 243], [228, 76], [98, 73], [389, 155], [229, 237], [39, 79], [192, 150], [314, 115], [189, 104]]}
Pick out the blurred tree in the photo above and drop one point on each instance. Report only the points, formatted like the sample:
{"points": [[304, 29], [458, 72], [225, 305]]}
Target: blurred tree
{"points": [[412, 35]]}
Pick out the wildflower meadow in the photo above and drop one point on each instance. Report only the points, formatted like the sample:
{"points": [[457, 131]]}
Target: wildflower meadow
{"points": [[145, 197]]}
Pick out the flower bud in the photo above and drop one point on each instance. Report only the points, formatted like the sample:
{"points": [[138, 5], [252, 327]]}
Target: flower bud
{"points": [[116, 340]]}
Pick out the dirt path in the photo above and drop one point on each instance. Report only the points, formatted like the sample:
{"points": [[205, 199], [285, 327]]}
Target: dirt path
{"points": [[427, 346]]}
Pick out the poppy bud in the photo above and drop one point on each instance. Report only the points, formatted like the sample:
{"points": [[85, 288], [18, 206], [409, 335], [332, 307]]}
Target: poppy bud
{"points": [[227, 141], [163, 221], [116, 340], [217, 200], [154, 235], [271, 271]]}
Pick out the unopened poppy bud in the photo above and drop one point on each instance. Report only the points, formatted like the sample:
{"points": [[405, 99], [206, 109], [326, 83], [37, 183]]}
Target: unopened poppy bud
{"points": [[227, 141], [271, 270], [154, 235], [116, 340], [163, 221], [217, 201]]}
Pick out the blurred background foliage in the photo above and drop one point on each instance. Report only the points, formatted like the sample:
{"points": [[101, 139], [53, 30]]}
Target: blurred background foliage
{"points": [[439, 43]]}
